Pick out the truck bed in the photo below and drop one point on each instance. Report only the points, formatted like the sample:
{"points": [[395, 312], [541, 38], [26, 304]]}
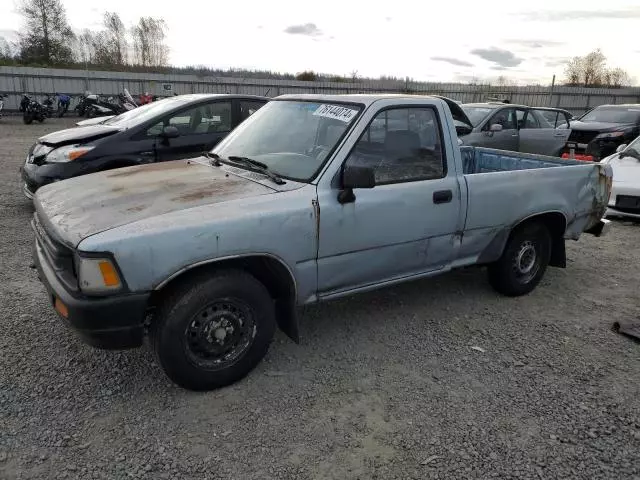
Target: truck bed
{"points": [[503, 188], [485, 160]]}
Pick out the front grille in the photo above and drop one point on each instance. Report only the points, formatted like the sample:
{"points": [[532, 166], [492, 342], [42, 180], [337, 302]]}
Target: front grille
{"points": [[628, 204], [582, 136], [58, 255]]}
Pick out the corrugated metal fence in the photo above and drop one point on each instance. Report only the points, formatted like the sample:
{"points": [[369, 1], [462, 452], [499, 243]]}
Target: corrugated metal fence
{"points": [[39, 81]]}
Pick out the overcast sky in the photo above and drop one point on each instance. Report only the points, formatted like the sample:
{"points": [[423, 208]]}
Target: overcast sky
{"points": [[444, 41]]}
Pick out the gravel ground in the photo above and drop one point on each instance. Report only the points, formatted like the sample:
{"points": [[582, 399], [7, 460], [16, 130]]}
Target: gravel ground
{"points": [[384, 385]]}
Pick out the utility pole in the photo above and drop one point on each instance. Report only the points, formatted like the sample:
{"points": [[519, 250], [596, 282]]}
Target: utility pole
{"points": [[553, 84]]}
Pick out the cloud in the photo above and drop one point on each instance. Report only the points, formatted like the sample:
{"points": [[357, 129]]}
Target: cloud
{"points": [[569, 15], [501, 57], [308, 29], [452, 61], [556, 62], [538, 43]]}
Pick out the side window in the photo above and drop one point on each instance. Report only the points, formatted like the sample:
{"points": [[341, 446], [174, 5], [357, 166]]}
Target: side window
{"points": [[527, 119], [505, 117], [552, 118], [401, 145], [208, 118], [248, 108]]}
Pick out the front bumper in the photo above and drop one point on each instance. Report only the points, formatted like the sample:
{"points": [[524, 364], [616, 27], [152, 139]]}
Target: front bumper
{"points": [[105, 322], [35, 176]]}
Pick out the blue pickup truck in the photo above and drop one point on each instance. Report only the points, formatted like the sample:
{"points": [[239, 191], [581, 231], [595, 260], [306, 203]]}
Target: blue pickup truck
{"points": [[312, 198]]}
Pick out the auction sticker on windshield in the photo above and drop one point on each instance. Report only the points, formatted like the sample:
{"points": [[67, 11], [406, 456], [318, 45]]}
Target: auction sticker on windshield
{"points": [[337, 112]]}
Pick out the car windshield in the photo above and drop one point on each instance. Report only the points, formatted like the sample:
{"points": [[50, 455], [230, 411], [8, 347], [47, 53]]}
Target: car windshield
{"points": [[476, 114], [613, 115], [146, 112], [293, 138]]}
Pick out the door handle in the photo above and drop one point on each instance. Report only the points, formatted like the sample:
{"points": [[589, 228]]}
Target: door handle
{"points": [[442, 196], [559, 134], [515, 135]]}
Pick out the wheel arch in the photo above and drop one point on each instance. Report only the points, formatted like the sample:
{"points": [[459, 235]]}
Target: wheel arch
{"points": [[555, 221], [268, 269]]}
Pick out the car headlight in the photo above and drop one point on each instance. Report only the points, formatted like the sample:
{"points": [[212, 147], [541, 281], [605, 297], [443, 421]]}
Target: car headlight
{"points": [[67, 153], [97, 275], [619, 133]]}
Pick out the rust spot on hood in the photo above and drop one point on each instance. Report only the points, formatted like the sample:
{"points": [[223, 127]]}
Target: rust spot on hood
{"points": [[215, 188], [150, 167], [137, 208]]}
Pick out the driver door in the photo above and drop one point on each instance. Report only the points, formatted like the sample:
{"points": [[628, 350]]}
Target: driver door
{"points": [[505, 139], [403, 226], [201, 127]]}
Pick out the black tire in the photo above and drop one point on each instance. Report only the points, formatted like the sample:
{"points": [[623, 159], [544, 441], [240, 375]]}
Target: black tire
{"points": [[195, 319], [523, 262], [27, 119]]}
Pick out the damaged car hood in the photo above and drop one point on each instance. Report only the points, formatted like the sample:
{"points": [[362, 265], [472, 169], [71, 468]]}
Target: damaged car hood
{"points": [[79, 207], [77, 134]]}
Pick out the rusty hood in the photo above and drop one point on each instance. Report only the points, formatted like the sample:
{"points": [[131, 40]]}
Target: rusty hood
{"points": [[79, 207]]}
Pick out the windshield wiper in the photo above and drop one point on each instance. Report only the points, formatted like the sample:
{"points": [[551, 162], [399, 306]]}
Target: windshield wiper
{"points": [[630, 152], [257, 166], [214, 159]]}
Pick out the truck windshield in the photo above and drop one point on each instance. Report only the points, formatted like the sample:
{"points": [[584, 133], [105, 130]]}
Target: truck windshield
{"points": [[292, 137], [612, 115]]}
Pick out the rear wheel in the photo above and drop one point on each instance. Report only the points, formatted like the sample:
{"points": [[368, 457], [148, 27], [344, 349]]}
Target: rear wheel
{"points": [[213, 330], [523, 262], [27, 118]]}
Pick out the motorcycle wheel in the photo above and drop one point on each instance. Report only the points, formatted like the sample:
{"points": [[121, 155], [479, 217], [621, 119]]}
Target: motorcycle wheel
{"points": [[41, 119], [27, 119]]}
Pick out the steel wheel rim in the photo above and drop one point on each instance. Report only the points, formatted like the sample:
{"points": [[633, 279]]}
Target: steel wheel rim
{"points": [[525, 264], [219, 334]]}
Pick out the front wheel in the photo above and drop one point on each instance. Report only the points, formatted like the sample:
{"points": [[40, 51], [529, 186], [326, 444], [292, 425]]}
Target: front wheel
{"points": [[27, 118], [523, 262], [213, 330]]}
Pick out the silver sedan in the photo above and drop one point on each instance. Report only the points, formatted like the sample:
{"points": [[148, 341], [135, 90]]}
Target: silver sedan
{"points": [[517, 128]]}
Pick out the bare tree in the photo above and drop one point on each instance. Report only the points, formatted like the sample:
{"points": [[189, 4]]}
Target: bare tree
{"points": [[6, 50], [617, 77], [592, 71], [115, 38], [47, 37], [573, 71], [84, 51], [594, 66], [148, 42]]}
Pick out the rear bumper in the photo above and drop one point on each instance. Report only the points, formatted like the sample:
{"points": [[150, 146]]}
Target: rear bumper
{"points": [[108, 323]]}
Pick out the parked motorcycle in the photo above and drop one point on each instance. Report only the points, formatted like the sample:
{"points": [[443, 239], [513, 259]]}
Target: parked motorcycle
{"points": [[47, 103], [63, 103], [33, 110], [24, 101], [2, 97], [86, 102]]}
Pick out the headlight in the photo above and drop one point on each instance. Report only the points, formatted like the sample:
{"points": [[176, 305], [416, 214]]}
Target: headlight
{"points": [[97, 275], [67, 153], [611, 134]]}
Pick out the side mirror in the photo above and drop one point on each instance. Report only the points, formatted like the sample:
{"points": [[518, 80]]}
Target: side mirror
{"points": [[621, 148], [496, 127], [355, 177], [170, 132], [358, 177]]}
